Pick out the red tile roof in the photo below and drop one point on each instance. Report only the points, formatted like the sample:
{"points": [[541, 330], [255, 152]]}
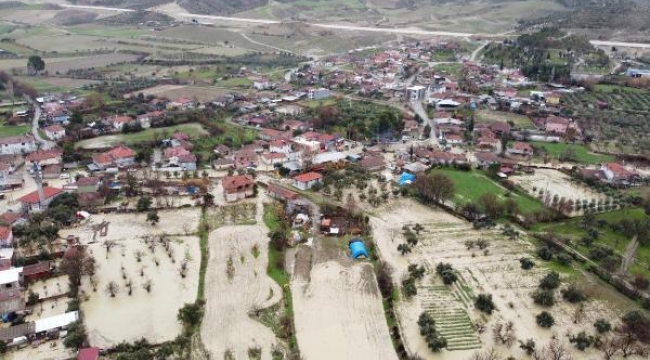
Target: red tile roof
{"points": [[121, 152], [5, 232], [307, 177], [54, 128], [88, 354], [32, 197], [86, 181], [44, 155], [235, 183], [9, 218]]}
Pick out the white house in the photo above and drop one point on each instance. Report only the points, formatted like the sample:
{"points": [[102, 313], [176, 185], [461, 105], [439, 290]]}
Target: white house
{"points": [[307, 180], [415, 93], [55, 132], [318, 94], [280, 146], [14, 145], [6, 236], [262, 84]]}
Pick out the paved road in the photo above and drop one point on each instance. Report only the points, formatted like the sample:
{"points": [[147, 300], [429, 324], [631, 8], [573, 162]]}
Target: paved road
{"points": [[45, 144], [410, 30]]}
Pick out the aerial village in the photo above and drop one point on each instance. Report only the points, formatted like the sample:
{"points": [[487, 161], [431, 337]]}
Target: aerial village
{"points": [[120, 213]]}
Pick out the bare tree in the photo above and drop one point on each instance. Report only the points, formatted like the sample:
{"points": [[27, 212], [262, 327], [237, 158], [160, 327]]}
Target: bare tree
{"points": [[504, 332], [112, 288], [76, 264], [147, 285], [554, 350], [129, 286], [489, 354]]}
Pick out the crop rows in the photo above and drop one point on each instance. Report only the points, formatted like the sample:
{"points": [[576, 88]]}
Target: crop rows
{"points": [[448, 307]]}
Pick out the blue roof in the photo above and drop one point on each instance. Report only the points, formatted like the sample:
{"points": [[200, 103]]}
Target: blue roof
{"points": [[357, 249], [406, 178]]}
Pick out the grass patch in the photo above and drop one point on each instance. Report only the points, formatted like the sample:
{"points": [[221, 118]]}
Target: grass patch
{"points": [[582, 154], [470, 185], [572, 230], [235, 82], [520, 121], [451, 69], [192, 129], [316, 103], [8, 130], [233, 136], [276, 271], [204, 232]]}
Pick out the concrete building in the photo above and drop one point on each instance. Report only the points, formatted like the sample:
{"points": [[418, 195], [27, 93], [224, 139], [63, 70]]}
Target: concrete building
{"points": [[318, 94], [415, 93], [16, 145], [307, 180]]}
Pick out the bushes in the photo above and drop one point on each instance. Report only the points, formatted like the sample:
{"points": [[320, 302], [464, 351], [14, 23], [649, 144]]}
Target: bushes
{"points": [[484, 303], [545, 253], [447, 273], [551, 281], [573, 295], [415, 273], [427, 325], [544, 297], [545, 319], [581, 341], [526, 263], [602, 326]]}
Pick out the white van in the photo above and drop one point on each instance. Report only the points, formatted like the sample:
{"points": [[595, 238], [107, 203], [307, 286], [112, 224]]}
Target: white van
{"points": [[64, 176]]}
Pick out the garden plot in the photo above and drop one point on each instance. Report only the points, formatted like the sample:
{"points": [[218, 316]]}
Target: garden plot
{"points": [[236, 286], [170, 265], [337, 307], [149, 285], [237, 214], [122, 227], [496, 272], [554, 182]]}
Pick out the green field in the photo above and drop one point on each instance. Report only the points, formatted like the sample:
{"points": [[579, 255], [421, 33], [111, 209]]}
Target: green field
{"points": [[582, 154], [6, 130], [471, 185], [572, 229], [235, 82], [192, 129], [520, 121]]}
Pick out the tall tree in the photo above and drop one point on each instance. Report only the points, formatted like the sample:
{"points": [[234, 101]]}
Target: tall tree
{"points": [[35, 64]]}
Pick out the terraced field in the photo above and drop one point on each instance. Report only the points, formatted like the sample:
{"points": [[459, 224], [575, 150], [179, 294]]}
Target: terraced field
{"points": [[448, 307]]}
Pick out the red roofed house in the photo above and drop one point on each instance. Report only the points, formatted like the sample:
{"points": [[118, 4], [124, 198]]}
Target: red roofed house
{"points": [[118, 122], [88, 354], [307, 180], [617, 174], [521, 148], [120, 156], [179, 157], [6, 236], [237, 187], [44, 158], [182, 103], [55, 132], [31, 201]]}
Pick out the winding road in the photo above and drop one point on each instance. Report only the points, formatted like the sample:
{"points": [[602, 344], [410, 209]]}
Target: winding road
{"points": [[44, 144]]}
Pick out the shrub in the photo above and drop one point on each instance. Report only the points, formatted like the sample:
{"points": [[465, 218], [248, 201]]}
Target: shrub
{"points": [[581, 341], [144, 204], [526, 263], [602, 326], [416, 272], [545, 253], [427, 325], [564, 259], [408, 287], [528, 346], [544, 297], [545, 319], [484, 303], [550, 281], [447, 273], [573, 295]]}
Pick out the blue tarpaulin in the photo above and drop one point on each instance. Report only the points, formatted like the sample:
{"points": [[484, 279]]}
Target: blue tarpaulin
{"points": [[357, 248], [406, 178]]}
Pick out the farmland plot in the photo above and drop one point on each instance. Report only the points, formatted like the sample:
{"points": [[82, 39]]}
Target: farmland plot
{"points": [[337, 306], [549, 183], [236, 286], [494, 270]]}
